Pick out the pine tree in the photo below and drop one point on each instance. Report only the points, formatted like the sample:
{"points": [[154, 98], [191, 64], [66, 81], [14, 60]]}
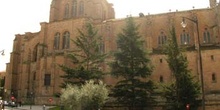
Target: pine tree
{"points": [[184, 90], [87, 58], [132, 65]]}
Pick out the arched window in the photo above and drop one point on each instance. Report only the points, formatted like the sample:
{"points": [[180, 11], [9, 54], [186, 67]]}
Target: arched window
{"points": [[184, 38], [66, 12], [57, 40], [99, 10], [206, 36], [66, 40], [74, 8], [47, 79], [34, 76], [81, 8], [102, 48], [162, 38], [42, 50], [35, 51], [214, 78], [29, 56]]}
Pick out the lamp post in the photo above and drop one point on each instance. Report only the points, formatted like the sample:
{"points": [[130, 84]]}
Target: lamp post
{"points": [[2, 52], [199, 55]]}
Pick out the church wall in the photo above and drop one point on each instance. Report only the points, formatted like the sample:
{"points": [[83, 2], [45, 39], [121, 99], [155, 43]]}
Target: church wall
{"points": [[211, 66], [7, 86], [49, 62], [28, 75], [160, 69]]}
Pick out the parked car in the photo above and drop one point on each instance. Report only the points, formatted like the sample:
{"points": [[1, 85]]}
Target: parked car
{"points": [[12, 104], [5, 103]]}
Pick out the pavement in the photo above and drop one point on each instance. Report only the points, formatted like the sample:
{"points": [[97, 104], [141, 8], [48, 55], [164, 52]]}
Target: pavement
{"points": [[28, 107]]}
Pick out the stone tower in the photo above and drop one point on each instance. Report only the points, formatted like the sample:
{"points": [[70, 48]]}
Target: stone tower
{"points": [[212, 3], [68, 9]]}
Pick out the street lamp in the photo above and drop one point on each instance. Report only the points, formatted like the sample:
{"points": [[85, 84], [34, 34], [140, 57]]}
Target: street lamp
{"points": [[2, 52], [184, 24]]}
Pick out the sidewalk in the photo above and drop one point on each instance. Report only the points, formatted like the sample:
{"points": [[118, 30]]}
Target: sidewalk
{"points": [[28, 107]]}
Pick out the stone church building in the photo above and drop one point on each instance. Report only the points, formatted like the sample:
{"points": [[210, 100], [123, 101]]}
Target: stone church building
{"points": [[33, 74]]}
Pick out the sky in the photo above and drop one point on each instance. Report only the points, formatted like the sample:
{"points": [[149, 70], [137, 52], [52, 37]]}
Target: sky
{"points": [[20, 16]]}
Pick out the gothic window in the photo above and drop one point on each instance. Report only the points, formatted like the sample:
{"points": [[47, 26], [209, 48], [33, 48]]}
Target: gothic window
{"points": [[74, 8], [184, 38], [104, 14], [161, 79], [102, 48], [206, 36], [29, 55], [15, 45], [66, 40], [22, 47], [57, 40], [99, 10], [214, 78], [81, 8], [66, 13], [43, 51], [34, 77], [35, 53], [47, 79], [162, 38]]}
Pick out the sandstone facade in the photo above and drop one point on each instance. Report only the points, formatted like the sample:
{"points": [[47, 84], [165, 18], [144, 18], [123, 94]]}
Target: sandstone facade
{"points": [[33, 73]]}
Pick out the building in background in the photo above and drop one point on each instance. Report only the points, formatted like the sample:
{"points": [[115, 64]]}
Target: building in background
{"points": [[2, 84], [33, 73]]}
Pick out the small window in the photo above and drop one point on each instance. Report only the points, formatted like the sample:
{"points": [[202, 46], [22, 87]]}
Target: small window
{"points": [[34, 77], [161, 79], [206, 36], [47, 79], [214, 78], [161, 60], [212, 57]]}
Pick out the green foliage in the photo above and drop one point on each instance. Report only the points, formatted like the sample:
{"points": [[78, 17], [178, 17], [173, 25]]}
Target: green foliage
{"points": [[184, 90], [87, 58], [90, 96], [133, 66]]}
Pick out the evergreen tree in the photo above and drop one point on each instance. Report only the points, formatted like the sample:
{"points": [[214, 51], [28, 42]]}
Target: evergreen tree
{"points": [[132, 65], [184, 90], [87, 58]]}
